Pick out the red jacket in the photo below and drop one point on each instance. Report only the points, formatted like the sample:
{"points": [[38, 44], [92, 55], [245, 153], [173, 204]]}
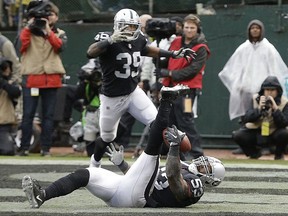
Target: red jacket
{"points": [[176, 64]]}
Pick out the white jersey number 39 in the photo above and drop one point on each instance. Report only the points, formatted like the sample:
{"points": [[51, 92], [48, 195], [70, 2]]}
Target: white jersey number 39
{"points": [[131, 60]]}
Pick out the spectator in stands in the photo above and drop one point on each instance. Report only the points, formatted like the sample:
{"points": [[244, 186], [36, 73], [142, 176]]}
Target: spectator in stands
{"points": [[266, 123], [9, 91], [42, 71]]}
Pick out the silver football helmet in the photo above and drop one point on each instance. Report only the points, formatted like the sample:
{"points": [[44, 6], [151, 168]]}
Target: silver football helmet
{"points": [[210, 170], [125, 18]]}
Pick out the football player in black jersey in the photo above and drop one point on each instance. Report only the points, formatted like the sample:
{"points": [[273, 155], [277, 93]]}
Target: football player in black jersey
{"points": [[178, 184], [119, 53], [132, 189]]}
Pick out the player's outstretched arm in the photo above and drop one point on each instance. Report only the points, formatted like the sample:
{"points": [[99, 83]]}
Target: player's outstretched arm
{"points": [[177, 184]]}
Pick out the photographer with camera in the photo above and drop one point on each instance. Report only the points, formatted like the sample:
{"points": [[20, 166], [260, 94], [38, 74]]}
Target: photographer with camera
{"points": [[9, 92], [188, 73], [42, 70], [87, 94], [266, 124]]}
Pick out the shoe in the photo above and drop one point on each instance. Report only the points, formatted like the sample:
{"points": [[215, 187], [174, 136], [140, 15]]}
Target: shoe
{"points": [[256, 155], [94, 163], [23, 153], [33, 192], [237, 151], [45, 153], [171, 93], [279, 157]]}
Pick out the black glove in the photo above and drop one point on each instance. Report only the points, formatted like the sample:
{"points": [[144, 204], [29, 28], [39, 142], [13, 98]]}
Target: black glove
{"points": [[146, 85], [173, 136], [164, 73]]}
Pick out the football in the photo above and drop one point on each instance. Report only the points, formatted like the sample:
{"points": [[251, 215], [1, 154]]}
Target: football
{"points": [[185, 145]]}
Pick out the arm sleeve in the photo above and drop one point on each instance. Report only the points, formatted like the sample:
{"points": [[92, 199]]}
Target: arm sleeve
{"points": [[281, 118], [25, 37], [97, 48], [252, 115], [58, 43]]}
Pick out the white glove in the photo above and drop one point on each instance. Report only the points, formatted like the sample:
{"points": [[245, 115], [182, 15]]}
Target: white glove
{"points": [[187, 53], [118, 36], [116, 157]]}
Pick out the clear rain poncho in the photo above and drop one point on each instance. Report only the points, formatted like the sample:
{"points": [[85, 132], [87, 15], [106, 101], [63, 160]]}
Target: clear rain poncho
{"points": [[245, 71]]}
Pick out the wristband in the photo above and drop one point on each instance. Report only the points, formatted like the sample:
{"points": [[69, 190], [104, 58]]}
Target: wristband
{"points": [[165, 53]]}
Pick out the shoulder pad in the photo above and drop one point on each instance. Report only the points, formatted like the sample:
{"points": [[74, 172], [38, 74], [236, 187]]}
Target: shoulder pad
{"points": [[102, 36]]}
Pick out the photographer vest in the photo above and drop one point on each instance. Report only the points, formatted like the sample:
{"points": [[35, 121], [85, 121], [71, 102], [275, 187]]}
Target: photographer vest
{"points": [[257, 124]]}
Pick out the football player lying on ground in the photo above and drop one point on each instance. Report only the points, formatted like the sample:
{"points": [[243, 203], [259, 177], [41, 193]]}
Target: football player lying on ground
{"points": [[130, 190], [172, 186]]}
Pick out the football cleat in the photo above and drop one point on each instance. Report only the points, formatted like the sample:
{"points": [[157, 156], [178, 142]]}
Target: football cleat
{"points": [[171, 93], [33, 192]]}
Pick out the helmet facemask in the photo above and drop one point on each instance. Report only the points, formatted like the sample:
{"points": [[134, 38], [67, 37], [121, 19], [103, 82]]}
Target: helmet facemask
{"points": [[128, 22], [209, 169]]}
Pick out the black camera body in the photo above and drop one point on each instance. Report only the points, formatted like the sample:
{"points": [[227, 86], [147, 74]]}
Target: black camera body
{"points": [[38, 10], [268, 104], [160, 27]]}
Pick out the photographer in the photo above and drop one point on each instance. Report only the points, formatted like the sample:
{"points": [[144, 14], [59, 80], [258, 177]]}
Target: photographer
{"points": [[42, 70], [266, 123], [188, 73], [87, 91], [9, 92]]}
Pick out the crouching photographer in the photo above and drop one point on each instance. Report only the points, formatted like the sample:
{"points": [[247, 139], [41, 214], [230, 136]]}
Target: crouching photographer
{"points": [[266, 124], [9, 92]]}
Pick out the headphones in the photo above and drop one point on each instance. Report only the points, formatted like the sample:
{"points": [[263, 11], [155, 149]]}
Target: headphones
{"points": [[193, 18]]}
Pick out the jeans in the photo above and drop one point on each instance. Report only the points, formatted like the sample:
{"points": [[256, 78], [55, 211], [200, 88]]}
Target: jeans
{"points": [[30, 103]]}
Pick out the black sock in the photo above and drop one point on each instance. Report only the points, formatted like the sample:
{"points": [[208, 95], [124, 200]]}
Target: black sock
{"points": [[67, 184], [100, 148]]}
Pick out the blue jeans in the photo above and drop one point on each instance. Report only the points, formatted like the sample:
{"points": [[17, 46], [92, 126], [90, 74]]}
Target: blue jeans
{"points": [[30, 103]]}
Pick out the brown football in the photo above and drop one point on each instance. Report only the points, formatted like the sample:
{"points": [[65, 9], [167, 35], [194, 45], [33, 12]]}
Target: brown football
{"points": [[185, 145]]}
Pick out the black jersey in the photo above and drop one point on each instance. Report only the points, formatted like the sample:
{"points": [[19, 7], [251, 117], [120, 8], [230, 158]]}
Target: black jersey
{"points": [[120, 63], [162, 196]]}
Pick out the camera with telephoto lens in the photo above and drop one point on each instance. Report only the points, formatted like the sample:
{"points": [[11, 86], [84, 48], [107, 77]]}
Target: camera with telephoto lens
{"points": [[160, 28], [38, 10]]}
